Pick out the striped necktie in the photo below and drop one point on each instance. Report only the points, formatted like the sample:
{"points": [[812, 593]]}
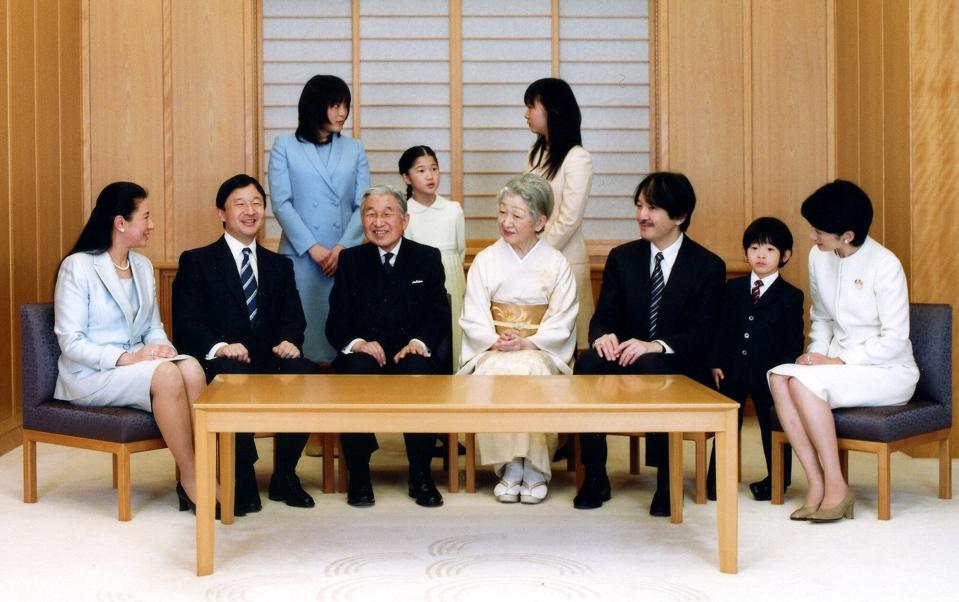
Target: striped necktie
{"points": [[756, 287], [249, 283], [656, 285]]}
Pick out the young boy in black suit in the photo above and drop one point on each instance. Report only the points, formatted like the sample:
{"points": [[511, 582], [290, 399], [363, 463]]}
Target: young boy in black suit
{"points": [[761, 326]]}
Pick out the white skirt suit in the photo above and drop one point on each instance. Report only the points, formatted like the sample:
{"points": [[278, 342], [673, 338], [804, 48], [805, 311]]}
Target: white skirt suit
{"points": [[95, 323], [860, 314]]}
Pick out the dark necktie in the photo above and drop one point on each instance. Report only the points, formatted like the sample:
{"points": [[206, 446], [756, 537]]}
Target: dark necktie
{"points": [[656, 285], [756, 287], [387, 257], [249, 283]]}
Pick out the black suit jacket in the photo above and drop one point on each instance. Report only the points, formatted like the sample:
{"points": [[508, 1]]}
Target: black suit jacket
{"points": [[689, 310], [408, 303], [752, 338], [209, 305]]}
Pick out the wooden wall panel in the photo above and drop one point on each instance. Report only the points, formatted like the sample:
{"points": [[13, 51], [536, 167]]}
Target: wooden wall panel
{"points": [[897, 219], [209, 109], [791, 110], [39, 169], [7, 403], [707, 101], [126, 101], [73, 213]]}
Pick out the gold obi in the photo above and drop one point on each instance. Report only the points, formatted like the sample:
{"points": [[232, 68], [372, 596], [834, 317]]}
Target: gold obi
{"points": [[524, 319]]}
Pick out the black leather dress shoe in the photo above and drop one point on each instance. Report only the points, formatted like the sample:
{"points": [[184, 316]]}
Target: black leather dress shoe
{"points": [[762, 490], [287, 488], [360, 494], [244, 505], [660, 504], [424, 491], [593, 493]]}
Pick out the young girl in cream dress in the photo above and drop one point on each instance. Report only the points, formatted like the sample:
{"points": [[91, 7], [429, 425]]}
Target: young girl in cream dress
{"points": [[438, 222]]}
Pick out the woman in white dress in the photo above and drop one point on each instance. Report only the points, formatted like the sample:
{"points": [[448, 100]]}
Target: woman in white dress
{"points": [[114, 351], [437, 222], [519, 317], [859, 352], [553, 114]]}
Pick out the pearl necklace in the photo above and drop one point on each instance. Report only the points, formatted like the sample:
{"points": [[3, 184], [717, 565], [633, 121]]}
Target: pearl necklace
{"points": [[122, 268]]}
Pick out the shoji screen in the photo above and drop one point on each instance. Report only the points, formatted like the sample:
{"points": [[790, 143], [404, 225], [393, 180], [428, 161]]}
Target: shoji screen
{"points": [[451, 74]]}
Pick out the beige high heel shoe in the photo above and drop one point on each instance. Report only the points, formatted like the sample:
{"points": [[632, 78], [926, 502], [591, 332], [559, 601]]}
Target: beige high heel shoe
{"points": [[840, 510], [803, 512]]}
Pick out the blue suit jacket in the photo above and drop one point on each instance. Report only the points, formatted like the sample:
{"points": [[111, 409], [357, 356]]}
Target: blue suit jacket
{"points": [[316, 203], [95, 323]]}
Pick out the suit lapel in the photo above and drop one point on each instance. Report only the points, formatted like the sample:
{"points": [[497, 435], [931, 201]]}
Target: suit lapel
{"points": [[309, 149], [108, 276], [141, 272], [680, 278]]}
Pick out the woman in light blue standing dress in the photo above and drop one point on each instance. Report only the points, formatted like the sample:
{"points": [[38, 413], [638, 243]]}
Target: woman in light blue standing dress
{"points": [[317, 180]]}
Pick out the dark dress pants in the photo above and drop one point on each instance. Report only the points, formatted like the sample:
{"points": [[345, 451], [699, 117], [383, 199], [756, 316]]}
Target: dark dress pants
{"points": [[289, 446], [756, 386], [593, 445], [357, 447]]}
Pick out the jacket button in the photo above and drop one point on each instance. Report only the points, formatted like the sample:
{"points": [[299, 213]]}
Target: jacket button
{"points": [[316, 204], [746, 335], [745, 352], [751, 318]]}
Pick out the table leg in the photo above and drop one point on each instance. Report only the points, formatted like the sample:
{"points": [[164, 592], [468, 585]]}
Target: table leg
{"points": [[453, 461], [727, 502], [227, 476], [675, 478], [205, 458]]}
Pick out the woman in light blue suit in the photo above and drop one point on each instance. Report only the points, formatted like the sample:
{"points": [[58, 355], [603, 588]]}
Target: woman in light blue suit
{"points": [[317, 181], [114, 351]]}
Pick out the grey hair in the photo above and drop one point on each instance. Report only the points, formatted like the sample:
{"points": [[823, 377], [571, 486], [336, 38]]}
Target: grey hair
{"points": [[387, 190], [534, 190]]}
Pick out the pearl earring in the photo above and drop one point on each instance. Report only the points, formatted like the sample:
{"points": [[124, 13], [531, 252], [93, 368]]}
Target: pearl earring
{"points": [[122, 229]]}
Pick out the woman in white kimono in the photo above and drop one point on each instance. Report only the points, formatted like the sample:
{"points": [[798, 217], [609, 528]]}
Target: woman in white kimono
{"points": [[859, 352], [114, 351], [519, 317]]}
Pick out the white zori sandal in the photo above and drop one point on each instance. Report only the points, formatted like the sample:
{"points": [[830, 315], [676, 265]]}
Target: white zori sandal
{"points": [[533, 490], [508, 489]]}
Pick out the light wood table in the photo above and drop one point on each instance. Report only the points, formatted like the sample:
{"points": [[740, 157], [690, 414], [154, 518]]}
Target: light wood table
{"points": [[447, 404]]}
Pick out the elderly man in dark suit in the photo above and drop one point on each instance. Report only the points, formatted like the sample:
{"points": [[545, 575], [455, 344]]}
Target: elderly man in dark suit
{"points": [[388, 314], [236, 308], [658, 306]]}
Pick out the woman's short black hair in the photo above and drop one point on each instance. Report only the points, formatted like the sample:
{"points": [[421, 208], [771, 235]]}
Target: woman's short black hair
{"points": [[118, 198], [769, 231], [838, 207], [240, 180], [669, 191], [319, 94]]}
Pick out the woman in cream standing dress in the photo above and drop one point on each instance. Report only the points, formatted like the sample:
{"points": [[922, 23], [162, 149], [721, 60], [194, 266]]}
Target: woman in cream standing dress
{"points": [[859, 352], [553, 114]]}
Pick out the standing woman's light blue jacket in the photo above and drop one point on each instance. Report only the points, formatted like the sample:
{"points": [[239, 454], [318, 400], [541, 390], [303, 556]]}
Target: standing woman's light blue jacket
{"points": [[317, 202]]}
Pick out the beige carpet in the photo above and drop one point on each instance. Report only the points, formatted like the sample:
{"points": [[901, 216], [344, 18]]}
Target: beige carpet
{"points": [[70, 546]]}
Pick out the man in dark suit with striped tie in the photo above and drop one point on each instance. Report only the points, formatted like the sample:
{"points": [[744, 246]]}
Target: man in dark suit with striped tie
{"points": [[658, 306], [236, 309]]}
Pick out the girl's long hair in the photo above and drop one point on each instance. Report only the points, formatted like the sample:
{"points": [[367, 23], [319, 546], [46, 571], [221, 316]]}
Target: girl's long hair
{"points": [[563, 120]]}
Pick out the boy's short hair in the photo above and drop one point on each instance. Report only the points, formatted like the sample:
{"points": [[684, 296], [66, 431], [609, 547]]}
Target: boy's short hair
{"points": [[769, 231]]}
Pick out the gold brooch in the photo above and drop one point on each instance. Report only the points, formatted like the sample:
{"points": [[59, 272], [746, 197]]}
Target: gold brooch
{"points": [[858, 282]]}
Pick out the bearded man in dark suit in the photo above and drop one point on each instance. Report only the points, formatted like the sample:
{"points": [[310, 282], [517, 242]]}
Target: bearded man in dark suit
{"points": [[389, 313], [237, 310], [658, 306]]}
